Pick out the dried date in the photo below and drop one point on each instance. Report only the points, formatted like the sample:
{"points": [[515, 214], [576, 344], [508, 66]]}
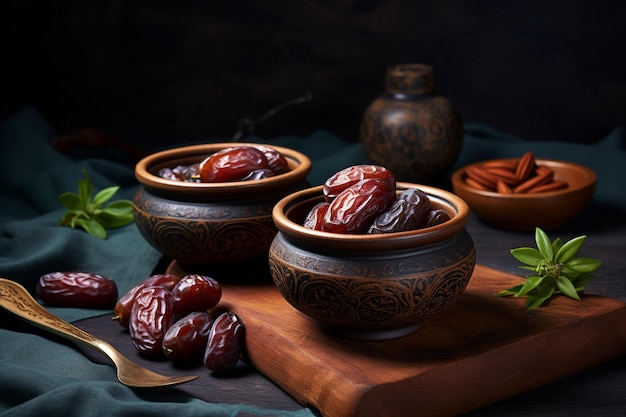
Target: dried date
{"points": [[187, 338], [437, 216], [151, 316], [232, 164], [276, 161], [408, 212], [225, 343], [188, 173], [315, 218], [353, 174], [195, 292], [121, 311], [259, 174], [356, 207], [77, 289]]}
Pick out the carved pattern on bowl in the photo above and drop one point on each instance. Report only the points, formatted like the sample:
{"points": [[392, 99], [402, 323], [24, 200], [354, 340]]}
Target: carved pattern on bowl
{"points": [[388, 292]]}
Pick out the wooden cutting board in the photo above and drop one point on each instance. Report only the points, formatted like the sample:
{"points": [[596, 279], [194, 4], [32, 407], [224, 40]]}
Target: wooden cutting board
{"points": [[481, 350]]}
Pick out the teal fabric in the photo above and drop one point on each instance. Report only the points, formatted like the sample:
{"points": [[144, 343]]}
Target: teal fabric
{"points": [[32, 175], [607, 157], [39, 375]]}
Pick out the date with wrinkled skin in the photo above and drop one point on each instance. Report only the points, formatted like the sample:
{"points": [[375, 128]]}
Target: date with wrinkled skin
{"points": [[121, 311], [347, 177], [408, 212], [151, 316], [187, 338], [315, 218], [437, 216], [195, 292], [276, 161], [225, 343], [77, 289], [259, 174], [356, 207], [232, 164]]}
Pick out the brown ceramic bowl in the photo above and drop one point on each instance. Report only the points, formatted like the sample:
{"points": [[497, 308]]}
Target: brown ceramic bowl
{"points": [[371, 286], [525, 212], [211, 223]]}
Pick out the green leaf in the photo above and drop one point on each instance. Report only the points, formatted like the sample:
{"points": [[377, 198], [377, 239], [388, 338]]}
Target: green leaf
{"points": [[90, 215], [569, 249], [114, 221], [566, 287], [543, 243], [581, 281], [105, 195], [528, 256], [556, 245], [558, 270], [584, 265], [537, 299], [119, 206], [530, 284], [92, 227], [509, 292], [85, 189], [71, 201]]}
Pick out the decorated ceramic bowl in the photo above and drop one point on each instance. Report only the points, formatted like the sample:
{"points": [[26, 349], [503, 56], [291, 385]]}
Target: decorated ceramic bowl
{"points": [[200, 223], [371, 286], [531, 208]]}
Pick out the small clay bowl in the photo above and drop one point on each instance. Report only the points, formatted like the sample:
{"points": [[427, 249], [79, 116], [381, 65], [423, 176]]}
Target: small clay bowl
{"points": [[371, 287], [525, 212], [201, 224]]}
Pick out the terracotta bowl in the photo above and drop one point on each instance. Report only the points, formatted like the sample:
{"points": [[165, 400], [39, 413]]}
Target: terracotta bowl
{"points": [[525, 212], [371, 286], [211, 223]]}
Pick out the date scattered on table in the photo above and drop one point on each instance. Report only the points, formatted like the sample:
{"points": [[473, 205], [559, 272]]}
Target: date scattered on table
{"points": [[362, 199], [176, 318], [77, 289]]}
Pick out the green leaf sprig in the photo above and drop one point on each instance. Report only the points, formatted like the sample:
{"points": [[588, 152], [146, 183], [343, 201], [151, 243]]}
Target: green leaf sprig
{"points": [[556, 267], [90, 212]]}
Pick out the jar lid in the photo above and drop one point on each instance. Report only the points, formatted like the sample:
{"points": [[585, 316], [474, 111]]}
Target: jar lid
{"points": [[410, 79]]}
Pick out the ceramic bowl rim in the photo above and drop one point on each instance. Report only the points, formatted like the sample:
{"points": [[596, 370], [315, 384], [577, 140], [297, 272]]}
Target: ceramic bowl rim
{"points": [[299, 163], [373, 242]]}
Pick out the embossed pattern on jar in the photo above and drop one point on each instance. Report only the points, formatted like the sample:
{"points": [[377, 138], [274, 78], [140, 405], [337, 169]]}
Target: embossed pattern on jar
{"points": [[371, 286], [411, 128], [211, 223]]}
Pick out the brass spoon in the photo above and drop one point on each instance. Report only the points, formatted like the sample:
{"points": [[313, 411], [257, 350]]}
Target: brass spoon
{"points": [[15, 298]]}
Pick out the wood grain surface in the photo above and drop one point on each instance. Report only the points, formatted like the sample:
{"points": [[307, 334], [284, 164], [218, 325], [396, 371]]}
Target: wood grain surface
{"points": [[482, 350]]}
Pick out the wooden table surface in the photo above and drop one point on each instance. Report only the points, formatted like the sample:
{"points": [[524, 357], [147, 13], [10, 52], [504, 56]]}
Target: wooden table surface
{"points": [[601, 389]]}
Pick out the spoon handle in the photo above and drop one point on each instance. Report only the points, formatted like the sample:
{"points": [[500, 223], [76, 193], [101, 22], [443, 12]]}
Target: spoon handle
{"points": [[15, 298]]}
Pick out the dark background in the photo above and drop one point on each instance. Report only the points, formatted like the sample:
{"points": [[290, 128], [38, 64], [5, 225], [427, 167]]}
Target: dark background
{"points": [[160, 72]]}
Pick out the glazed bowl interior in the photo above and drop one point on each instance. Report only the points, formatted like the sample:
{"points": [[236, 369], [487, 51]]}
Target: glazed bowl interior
{"points": [[290, 212], [525, 212], [146, 172]]}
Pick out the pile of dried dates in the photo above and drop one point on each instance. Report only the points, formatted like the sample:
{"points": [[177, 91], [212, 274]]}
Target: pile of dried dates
{"points": [[521, 176], [362, 199], [237, 163], [164, 314], [169, 316]]}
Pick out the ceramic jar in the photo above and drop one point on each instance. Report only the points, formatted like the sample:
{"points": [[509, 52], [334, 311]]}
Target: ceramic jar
{"points": [[200, 224], [371, 286], [410, 128]]}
